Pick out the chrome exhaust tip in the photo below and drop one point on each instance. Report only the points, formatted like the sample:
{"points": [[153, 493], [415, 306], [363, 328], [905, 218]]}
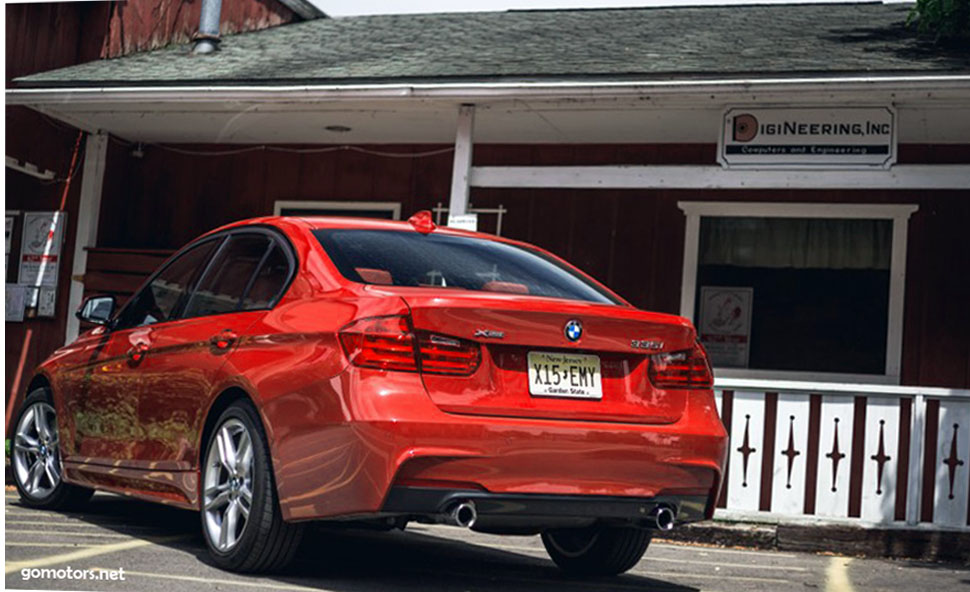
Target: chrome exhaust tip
{"points": [[664, 518], [464, 514]]}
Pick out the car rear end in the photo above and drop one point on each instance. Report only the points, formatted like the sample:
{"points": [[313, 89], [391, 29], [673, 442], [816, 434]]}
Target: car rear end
{"points": [[507, 391]]}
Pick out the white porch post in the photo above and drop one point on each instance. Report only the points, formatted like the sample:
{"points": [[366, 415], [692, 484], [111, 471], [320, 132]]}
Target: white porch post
{"points": [[461, 171], [89, 210]]}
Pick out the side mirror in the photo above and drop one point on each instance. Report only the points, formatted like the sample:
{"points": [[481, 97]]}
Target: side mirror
{"points": [[96, 310]]}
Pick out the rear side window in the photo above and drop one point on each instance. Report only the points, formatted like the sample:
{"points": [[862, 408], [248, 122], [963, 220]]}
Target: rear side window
{"points": [[160, 300], [396, 258], [224, 283], [269, 281]]}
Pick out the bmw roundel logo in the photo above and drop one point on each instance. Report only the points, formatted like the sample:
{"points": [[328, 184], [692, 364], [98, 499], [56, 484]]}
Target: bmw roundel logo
{"points": [[573, 330]]}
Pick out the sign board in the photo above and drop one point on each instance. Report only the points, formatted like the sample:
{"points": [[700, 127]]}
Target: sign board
{"points": [[463, 221], [725, 325], [839, 137], [40, 253]]}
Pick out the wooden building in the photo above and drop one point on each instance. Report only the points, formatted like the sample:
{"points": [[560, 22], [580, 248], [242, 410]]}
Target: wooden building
{"points": [[795, 179]]}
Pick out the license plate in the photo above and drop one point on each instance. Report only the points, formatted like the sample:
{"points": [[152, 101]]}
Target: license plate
{"points": [[565, 375]]}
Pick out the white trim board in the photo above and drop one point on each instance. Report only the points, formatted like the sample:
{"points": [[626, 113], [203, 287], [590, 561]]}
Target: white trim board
{"points": [[898, 213], [372, 206], [89, 214], [911, 176], [923, 84], [461, 169]]}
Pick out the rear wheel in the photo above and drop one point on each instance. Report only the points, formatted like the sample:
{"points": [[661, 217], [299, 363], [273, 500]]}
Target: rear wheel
{"points": [[37, 469], [597, 550], [241, 517]]}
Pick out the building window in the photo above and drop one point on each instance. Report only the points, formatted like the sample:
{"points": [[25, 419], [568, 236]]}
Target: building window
{"points": [[797, 291], [385, 210]]}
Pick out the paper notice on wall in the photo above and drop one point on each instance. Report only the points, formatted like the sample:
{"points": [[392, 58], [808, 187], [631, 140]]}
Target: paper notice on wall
{"points": [[9, 239], [15, 300], [725, 325], [463, 221], [40, 253]]}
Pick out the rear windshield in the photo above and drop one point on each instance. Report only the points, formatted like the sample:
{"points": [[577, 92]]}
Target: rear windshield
{"points": [[395, 258]]}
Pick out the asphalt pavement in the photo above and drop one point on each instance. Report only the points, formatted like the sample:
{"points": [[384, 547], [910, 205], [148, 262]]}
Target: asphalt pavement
{"points": [[161, 549]]}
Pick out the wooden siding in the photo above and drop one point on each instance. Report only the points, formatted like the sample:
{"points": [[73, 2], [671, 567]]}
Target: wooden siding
{"points": [[34, 339], [120, 272], [45, 36], [631, 239]]}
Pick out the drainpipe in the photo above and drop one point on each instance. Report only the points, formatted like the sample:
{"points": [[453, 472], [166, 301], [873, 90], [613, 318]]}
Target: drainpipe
{"points": [[207, 39]]}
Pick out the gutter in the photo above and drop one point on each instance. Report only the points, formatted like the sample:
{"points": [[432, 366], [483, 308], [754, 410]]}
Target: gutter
{"points": [[483, 90]]}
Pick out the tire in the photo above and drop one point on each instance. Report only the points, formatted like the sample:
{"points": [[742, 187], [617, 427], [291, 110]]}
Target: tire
{"points": [[263, 542], [598, 550], [34, 446]]}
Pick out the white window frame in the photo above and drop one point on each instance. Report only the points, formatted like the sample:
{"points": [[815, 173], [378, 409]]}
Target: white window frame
{"points": [[372, 206], [899, 215]]}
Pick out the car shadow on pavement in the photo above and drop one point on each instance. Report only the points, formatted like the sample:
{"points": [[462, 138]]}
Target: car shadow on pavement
{"points": [[352, 560]]}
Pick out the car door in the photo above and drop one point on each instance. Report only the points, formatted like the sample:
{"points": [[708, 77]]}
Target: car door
{"points": [[186, 358], [105, 408]]}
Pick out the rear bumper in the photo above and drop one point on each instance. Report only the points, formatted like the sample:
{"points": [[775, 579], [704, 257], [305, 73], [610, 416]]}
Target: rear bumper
{"points": [[392, 443], [503, 512]]}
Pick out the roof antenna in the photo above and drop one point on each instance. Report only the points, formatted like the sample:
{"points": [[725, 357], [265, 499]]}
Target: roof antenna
{"points": [[207, 39]]}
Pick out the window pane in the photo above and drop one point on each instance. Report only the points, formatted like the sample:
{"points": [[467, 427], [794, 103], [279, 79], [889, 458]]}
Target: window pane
{"points": [[435, 260], [269, 281], [797, 294], [159, 301], [223, 285]]}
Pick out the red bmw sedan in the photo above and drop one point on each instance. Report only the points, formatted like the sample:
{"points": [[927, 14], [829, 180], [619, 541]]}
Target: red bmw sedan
{"points": [[284, 370]]}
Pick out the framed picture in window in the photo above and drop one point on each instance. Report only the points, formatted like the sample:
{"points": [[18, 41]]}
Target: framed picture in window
{"points": [[725, 325]]}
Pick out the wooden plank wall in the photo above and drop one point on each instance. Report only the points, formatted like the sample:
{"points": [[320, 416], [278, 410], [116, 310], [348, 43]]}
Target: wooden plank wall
{"points": [[631, 239], [45, 36], [120, 272], [29, 342]]}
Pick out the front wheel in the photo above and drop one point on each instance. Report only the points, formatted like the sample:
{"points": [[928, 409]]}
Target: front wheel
{"points": [[241, 517], [598, 550], [37, 468]]}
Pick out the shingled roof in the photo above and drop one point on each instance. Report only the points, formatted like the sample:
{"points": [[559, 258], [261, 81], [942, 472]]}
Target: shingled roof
{"points": [[622, 44]]}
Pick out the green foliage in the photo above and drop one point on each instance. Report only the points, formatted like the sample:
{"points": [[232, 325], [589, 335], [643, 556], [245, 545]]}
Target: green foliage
{"points": [[947, 21]]}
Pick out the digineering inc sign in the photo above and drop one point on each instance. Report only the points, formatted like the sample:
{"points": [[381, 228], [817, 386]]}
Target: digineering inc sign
{"points": [[851, 137]]}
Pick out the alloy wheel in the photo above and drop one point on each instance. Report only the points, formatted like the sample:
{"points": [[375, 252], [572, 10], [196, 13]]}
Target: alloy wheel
{"points": [[227, 494], [37, 462]]}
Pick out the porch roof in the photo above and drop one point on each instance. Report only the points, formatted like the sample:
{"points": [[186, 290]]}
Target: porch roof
{"points": [[825, 40]]}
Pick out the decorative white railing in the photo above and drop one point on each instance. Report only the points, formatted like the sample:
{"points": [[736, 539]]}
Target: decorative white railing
{"points": [[889, 455]]}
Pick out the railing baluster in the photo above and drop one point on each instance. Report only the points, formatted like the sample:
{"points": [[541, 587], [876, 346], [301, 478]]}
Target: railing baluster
{"points": [[913, 489]]}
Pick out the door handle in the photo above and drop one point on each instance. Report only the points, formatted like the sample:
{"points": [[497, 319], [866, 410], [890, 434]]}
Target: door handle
{"points": [[137, 352], [223, 339]]}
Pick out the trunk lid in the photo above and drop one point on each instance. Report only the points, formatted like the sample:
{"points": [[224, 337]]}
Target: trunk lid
{"points": [[510, 327]]}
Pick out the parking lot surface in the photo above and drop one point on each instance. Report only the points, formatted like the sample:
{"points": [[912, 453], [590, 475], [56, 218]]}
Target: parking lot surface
{"points": [[161, 549]]}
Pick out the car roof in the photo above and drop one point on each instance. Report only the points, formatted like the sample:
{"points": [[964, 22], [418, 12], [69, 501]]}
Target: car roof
{"points": [[329, 222]]}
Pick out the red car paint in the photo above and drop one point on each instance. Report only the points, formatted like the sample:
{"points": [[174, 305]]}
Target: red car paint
{"points": [[133, 403]]}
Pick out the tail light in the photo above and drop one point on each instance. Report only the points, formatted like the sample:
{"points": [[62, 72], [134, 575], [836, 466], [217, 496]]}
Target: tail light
{"points": [[686, 369], [385, 343], [388, 343], [447, 355]]}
